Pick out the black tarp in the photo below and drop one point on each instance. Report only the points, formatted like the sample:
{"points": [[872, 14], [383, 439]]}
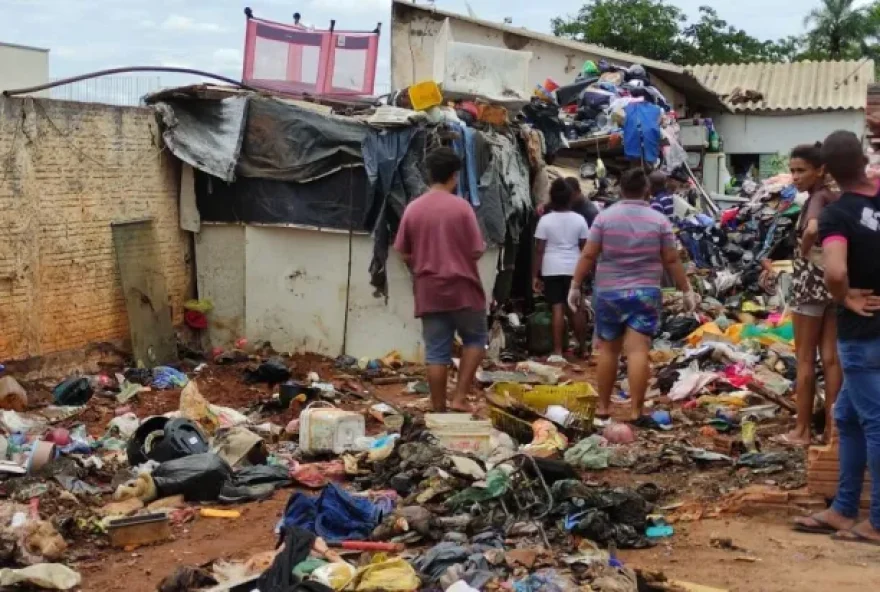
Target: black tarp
{"points": [[286, 142], [334, 201]]}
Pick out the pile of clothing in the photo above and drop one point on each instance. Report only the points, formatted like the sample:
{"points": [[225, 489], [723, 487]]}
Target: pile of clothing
{"points": [[600, 98]]}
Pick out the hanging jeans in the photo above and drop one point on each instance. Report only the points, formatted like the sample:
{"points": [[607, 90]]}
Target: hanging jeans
{"points": [[857, 415], [465, 145]]}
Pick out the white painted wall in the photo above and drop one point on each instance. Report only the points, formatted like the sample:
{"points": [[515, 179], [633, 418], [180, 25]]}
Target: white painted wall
{"points": [[220, 276], [287, 285], [766, 134], [413, 42], [22, 66]]}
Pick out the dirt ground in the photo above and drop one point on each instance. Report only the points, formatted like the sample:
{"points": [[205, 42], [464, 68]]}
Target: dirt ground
{"points": [[784, 561], [771, 557]]}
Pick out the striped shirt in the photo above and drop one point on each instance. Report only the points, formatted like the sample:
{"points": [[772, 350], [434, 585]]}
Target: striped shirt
{"points": [[632, 236], [663, 203]]}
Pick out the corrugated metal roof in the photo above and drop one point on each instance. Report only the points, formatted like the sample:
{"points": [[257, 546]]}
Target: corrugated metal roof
{"points": [[798, 86]]}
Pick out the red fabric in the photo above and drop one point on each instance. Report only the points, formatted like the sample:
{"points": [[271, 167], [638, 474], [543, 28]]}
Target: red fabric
{"points": [[440, 234], [728, 216], [195, 319]]}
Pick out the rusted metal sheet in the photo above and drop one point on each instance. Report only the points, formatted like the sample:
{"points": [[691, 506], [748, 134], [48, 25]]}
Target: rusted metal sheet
{"points": [[146, 297]]}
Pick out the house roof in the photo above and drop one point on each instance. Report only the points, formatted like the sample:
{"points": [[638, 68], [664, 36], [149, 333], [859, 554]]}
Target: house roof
{"points": [[677, 76], [797, 86], [28, 47]]}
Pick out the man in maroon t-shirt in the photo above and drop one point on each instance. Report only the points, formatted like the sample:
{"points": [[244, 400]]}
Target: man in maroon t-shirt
{"points": [[440, 241]]}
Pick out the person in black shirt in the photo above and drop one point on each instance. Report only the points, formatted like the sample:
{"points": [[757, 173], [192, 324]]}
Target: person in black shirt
{"points": [[850, 233], [580, 203]]}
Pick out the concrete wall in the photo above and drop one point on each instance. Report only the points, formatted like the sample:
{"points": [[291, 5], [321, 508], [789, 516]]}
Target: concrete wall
{"points": [[287, 285], [771, 134], [69, 170], [413, 35], [22, 66]]}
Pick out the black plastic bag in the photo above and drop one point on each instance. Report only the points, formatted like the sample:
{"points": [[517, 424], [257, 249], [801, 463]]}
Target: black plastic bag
{"points": [[272, 371], [73, 391], [277, 475], [680, 327], [199, 477]]}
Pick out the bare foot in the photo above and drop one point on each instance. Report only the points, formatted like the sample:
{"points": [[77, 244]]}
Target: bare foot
{"points": [[824, 521], [794, 439], [460, 405]]}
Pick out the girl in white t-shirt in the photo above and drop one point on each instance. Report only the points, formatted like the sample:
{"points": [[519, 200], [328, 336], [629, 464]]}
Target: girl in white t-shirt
{"points": [[559, 239]]}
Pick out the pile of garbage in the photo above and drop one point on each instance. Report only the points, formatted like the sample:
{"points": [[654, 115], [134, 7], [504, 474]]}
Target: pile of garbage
{"points": [[430, 501], [595, 102]]}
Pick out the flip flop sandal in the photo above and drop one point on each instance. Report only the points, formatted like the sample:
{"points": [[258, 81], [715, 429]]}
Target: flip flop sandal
{"points": [[821, 527], [851, 536]]}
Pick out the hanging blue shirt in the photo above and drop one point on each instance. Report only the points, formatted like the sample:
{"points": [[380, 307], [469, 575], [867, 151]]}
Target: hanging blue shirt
{"points": [[641, 131]]}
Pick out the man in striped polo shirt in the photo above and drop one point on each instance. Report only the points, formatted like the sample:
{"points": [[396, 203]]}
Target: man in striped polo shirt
{"points": [[661, 197], [629, 245]]}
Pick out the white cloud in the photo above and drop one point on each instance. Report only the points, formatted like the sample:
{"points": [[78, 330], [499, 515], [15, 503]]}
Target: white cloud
{"points": [[177, 22], [226, 59], [347, 7]]}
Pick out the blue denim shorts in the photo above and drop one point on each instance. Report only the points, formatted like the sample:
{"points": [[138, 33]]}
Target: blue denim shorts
{"points": [[638, 308], [439, 328]]}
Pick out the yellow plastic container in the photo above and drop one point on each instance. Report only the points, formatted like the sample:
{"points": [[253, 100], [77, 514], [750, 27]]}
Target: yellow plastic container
{"points": [[425, 95], [580, 398]]}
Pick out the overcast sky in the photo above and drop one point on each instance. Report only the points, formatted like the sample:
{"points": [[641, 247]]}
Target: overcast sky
{"points": [[86, 35]]}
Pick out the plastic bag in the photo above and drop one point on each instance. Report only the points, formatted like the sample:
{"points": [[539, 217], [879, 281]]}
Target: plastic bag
{"points": [[199, 477], [589, 454], [165, 377], [546, 441], [691, 380], [73, 391], [335, 575], [51, 576], [194, 406], [497, 484], [394, 575], [124, 426], [272, 371]]}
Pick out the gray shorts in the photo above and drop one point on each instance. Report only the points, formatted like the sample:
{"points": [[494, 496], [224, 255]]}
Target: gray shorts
{"points": [[439, 329]]}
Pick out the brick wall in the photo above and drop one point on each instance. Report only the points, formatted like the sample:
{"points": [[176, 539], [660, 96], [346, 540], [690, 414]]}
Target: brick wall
{"points": [[67, 170]]}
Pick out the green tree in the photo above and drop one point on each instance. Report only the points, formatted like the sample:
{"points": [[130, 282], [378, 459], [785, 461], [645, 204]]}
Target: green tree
{"points": [[840, 30], [711, 39], [654, 29], [648, 28]]}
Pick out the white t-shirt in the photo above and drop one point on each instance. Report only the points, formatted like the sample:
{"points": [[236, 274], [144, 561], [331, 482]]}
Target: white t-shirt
{"points": [[563, 232]]}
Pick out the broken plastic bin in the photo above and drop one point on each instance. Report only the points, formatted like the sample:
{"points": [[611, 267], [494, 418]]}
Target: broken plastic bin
{"points": [[460, 432]]}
